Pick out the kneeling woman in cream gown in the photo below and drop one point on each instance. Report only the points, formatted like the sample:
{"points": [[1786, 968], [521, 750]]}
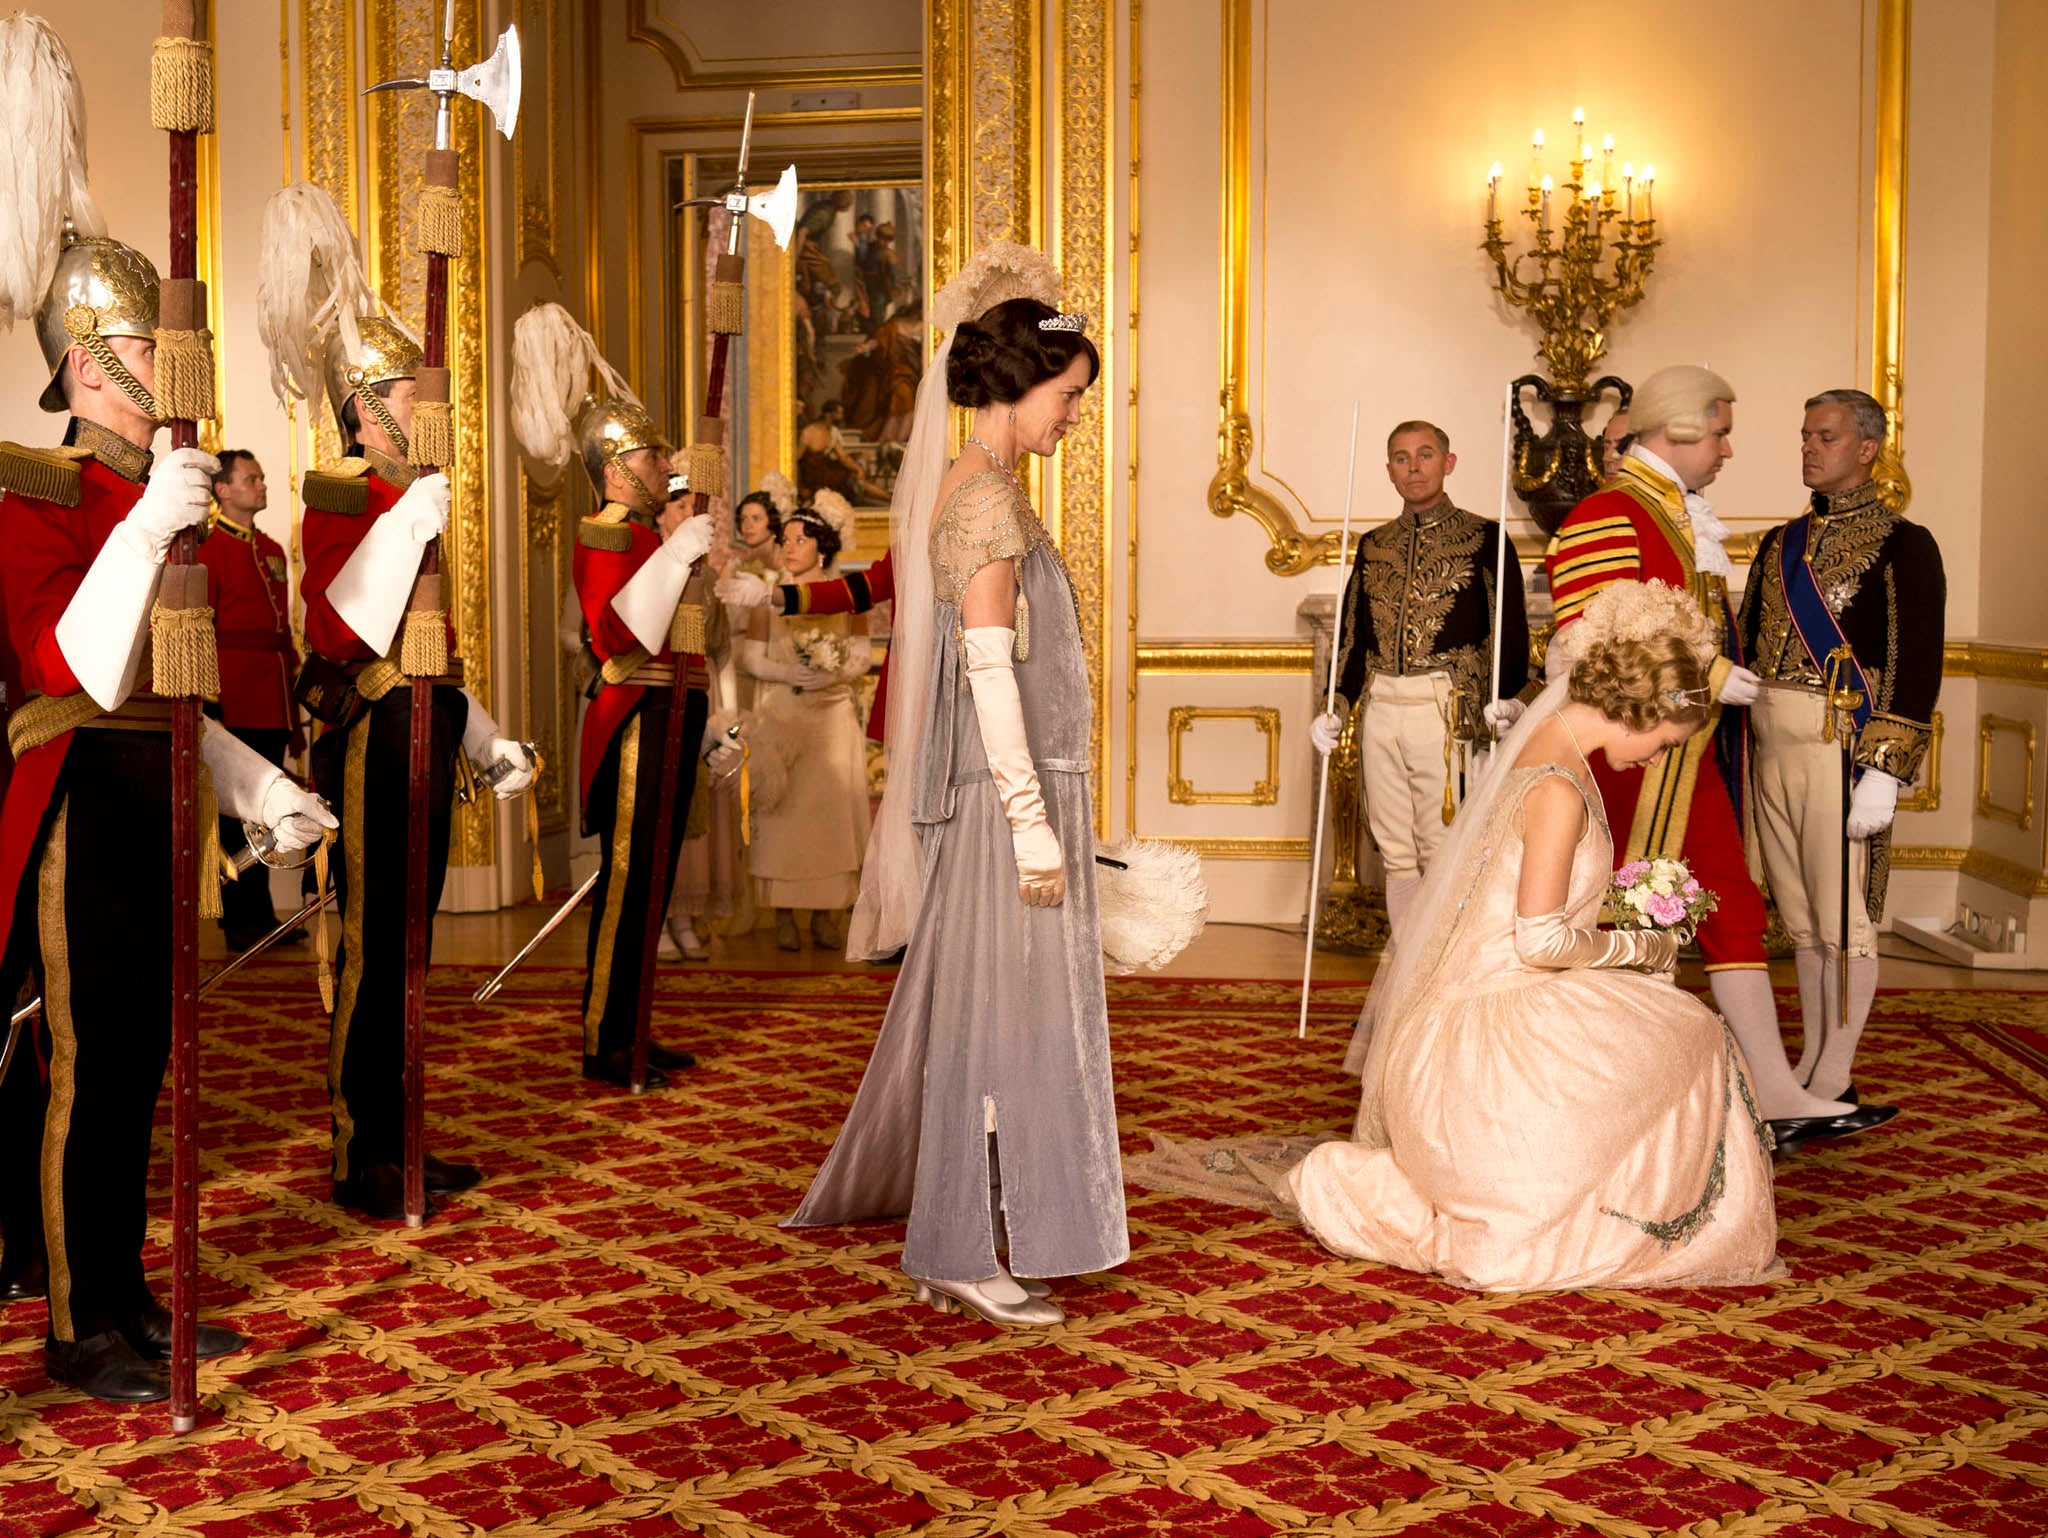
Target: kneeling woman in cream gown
{"points": [[1542, 1107]]}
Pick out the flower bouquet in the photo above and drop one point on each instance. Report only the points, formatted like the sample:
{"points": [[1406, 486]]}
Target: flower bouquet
{"points": [[819, 649], [1659, 894]]}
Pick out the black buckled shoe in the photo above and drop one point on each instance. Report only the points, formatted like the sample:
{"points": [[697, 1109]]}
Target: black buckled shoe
{"points": [[1794, 1132], [105, 1367], [377, 1192], [30, 1278], [617, 1068], [668, 1059], [445, 1179], [150, 1336]]}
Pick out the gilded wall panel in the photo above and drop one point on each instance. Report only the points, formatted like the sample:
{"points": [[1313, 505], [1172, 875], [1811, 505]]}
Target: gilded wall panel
{"points": [[537, 154]]}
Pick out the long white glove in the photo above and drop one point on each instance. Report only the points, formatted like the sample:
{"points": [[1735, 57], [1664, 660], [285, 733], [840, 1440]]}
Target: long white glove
{"points": [[371, 589], [485, 745], [1325, 729], [100, 632], [998, 708], [1873, 804], [249, 786], [1740, 687], [648, 600], [755, 662], [1550, 941], [744, 590], [1500, 716]]}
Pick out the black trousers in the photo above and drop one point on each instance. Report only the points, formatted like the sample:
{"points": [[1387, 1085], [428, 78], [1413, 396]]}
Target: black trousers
{"points": [[101, 881], [246, 913], [363, 774], [621, 811], [23, 1090]]}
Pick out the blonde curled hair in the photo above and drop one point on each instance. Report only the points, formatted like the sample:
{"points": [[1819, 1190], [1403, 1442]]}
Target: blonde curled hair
{"points": [[1642, 655]]}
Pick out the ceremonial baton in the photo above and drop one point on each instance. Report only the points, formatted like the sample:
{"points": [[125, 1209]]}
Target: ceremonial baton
{"points": [[555, 921], [495, 83], [1315, 864]]}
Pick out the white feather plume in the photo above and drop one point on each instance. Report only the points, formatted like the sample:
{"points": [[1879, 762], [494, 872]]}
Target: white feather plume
{"points": [[781, 491], [42, 171], [310, 288], [838, 512], [552, 360], [1152, 910]]}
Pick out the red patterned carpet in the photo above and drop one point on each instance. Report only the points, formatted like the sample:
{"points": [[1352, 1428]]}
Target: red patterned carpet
{"points": [[613, 1337]]}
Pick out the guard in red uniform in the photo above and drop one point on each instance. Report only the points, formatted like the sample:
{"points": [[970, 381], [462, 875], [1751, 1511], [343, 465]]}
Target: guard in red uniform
{"points": [[85, 831], [1651, 523], [642, 596], [855, 593], [248, 585]]}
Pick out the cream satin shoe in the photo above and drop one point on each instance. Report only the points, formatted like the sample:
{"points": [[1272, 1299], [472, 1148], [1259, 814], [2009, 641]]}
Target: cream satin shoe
{"points": [[971, 1298]]}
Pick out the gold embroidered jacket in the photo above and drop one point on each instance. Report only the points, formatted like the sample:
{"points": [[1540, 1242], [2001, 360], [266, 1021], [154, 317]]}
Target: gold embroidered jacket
{"points": [[1421, 600], [1881, 575]]}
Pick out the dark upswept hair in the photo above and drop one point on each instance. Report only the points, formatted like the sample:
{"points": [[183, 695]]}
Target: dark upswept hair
{"points": [[997, 359], [767, 505], [814, 524]]}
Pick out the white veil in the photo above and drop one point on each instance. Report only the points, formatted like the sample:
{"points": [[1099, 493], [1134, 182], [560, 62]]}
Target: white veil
{"points": [[892, 875]]}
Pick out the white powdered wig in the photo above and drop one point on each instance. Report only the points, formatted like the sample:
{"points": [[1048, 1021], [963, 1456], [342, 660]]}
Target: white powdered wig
{"points": [[311, 288], [42, 172], [552, 358], [1153, 910]]}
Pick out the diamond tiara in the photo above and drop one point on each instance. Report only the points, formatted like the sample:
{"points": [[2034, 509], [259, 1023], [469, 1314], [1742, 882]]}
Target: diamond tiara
{"points": [[1074, 320]]}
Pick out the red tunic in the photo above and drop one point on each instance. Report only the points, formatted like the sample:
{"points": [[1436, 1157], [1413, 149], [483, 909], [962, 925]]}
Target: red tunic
{"points": [[49, 549], [326, 541], [599, 575], [855, 594], [247, 585]]}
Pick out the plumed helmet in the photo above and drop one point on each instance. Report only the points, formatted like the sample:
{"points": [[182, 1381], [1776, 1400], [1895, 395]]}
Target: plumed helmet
{"points": [[608, 429], [1676, 400], [384, 351], [101, 288]]}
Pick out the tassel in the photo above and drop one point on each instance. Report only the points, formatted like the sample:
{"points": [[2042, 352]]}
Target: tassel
{"points": [[540, 884], [433, 434], [423, 653], [686, 631], [706, 468], [181, 85], [321, 882], [440, 226], [746, 796], [184, 375], [184, 663], [726, 312], [210, 856]]}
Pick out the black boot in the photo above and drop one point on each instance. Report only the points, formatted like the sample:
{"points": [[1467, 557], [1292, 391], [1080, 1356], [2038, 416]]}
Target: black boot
{"points": [[617, 1068], [106, 1367], [445, 1179], [150, 1335], [376, 1192], [668, 1058]]}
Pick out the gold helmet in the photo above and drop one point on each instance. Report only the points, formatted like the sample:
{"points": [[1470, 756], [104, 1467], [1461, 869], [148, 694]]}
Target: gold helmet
{"points": [[384, 351], [101, 288], [608, 430]]}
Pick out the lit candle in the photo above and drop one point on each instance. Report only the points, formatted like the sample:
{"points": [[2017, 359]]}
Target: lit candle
{"points": [[1579, 129], [1535, 159], [1492, 188], [1544, 204], [1649, 177], [1628, 188]]}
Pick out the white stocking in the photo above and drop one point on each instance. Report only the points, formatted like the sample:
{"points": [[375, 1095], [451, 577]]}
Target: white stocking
{"points": [[1837, 1065], [1811, 962], [1744, 997]]}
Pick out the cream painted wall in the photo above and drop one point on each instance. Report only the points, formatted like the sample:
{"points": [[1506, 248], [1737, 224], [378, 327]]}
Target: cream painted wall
{"points": [[1369, 154]]}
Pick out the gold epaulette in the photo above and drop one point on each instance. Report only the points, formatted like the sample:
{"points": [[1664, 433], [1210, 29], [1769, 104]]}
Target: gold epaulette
{"points": [[596, 534], [338, 489], [51, 475]]}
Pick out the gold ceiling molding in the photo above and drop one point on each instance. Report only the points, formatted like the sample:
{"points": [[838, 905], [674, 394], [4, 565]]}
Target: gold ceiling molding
{"points": [[400, 37], [645, 30]]}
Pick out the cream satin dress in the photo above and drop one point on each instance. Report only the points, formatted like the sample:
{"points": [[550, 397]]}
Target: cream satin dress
{"points": [[1551, 1128]]}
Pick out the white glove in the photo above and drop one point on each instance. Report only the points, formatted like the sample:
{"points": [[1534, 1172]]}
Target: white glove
{"points": [[485, 746], [1500, 717], [722, 754], [179, 492], [999, 710], [1324, 731], [1740, 687], [100, 631], [1873, 804], [744, 590], [423, 508], [756, 663], [295, 816], [860, 656], [374, 583], [690, 542]]}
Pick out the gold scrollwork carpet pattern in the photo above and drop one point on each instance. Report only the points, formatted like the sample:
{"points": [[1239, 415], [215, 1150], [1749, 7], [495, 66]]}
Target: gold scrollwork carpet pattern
{"points": [[612, 1336]]}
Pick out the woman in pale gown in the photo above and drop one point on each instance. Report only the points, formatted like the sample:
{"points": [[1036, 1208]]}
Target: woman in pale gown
{"points": [[1542, 1106], [987, 1112], [807, 848]]}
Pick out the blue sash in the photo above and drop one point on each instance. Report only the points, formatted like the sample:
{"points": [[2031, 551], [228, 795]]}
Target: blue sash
{"points": [[1819, 631]]}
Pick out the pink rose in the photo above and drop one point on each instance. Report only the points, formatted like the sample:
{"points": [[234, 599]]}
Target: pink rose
{"points": [[1632, 872], [1667, 911], [1690, 890]]}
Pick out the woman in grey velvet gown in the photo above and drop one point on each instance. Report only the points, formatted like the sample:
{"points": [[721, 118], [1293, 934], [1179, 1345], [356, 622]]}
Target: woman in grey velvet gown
{"points": [[986, 1112]]}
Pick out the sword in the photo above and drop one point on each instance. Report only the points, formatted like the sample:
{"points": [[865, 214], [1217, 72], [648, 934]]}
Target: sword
{"points": [[555, 922], [467, 786]]}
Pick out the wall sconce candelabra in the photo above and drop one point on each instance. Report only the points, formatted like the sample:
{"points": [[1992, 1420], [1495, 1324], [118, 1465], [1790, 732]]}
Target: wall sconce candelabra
{"points": [[1592, 242]]}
